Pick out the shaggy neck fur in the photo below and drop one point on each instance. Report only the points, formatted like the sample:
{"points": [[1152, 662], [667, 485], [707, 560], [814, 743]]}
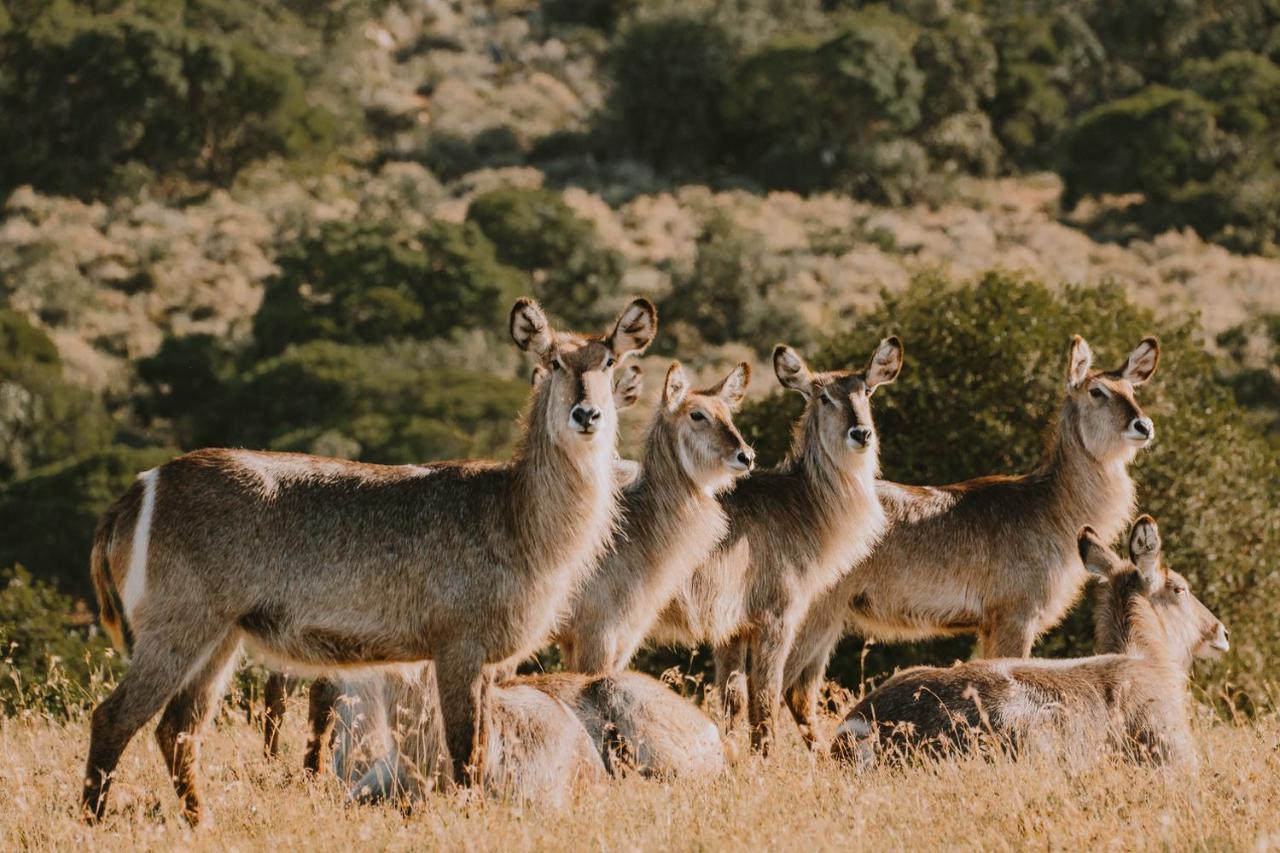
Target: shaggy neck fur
{"points": [[1084, 488], [847, 518], [563, 503]]}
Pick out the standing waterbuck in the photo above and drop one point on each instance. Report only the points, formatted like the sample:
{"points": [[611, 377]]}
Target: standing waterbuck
{"points": [[671, 521], [995, 555], [793, 531], [319, 564], [1132, 695]]}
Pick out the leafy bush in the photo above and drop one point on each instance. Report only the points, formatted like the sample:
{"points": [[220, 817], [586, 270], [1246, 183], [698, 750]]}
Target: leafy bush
{"points": [[52, 662], [534, 230], [93, 103], [49, 516], [369, 283], [983, 378], [43, 418], [377, 404], [599, 14]]}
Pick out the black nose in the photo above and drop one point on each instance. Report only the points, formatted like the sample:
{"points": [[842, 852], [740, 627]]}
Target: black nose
{"points": [[860, 434], [747, 457], [1141, 427], [584, 416]]}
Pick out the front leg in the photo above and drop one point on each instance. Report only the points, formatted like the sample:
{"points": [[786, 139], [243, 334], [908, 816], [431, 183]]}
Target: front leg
{"points": [[766, 667], [802, 699], [1009, 636], [463, 684], [731, 677]]}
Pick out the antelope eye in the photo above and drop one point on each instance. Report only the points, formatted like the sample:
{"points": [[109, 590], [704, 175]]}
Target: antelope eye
{"points": [[826, 401], [1097, 393], [609, 362], [698, 416], [556, 364]]}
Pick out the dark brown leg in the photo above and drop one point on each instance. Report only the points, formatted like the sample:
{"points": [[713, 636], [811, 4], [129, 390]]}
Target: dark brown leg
{"points": [[321, 716], [731, 678], [273, 695], [463, 684]]}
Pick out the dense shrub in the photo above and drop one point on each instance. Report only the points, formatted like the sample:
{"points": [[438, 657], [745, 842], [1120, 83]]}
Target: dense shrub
{"points": [[369, 283], [94, 103], [378, 404], [534, 230], [600, 14], [48, 517], [43, 418], [983, 379]]}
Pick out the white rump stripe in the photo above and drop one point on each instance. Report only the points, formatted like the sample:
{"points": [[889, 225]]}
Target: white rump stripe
{"points": [[135, 579]]}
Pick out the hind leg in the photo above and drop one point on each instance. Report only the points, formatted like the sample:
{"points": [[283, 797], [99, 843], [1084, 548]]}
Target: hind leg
{"points": [[731, 678], [802, 700], [184, 718], [161, 664], [321, 717], [1010, 637], [274, 693]]}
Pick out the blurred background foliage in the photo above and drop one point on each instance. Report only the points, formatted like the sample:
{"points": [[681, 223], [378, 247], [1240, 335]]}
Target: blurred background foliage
{"points": [[299, 225]]}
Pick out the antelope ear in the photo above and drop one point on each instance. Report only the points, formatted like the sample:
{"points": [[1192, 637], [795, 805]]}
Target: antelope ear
{"points": [[1141, 363], [626, 386], [1144, 551], [733, 388], [1079, 360], [634, 331], [791, 370], [885, 363], [529, 327], [1098, 559], [539, 374], [675, 387]]}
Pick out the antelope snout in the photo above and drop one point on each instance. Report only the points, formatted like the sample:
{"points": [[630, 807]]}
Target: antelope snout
{"points": [[1221, 641], [859, 437], [584, 418], [1141, 429], [743, 460]]}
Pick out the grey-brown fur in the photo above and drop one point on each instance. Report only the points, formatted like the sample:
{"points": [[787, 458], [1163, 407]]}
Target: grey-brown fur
{"points": [[671, 521], [793, 531], [1132, 695], [994, 556], [322, 564]]}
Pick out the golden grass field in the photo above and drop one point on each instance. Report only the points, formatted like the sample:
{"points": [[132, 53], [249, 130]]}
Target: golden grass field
{"points": [[793, 801]]}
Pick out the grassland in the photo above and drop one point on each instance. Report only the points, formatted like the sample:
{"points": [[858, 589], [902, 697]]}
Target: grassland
{"points": [[794, 801]]}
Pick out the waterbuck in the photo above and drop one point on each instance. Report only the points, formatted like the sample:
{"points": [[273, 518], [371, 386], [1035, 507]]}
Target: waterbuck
{"points": [[320, 564], [793, 531], [389, 740], [1131, 696], [670, 523], [995, 555]]}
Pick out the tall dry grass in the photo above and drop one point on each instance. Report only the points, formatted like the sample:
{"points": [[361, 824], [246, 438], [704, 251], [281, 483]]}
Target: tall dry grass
{"points": [[793, 801]]}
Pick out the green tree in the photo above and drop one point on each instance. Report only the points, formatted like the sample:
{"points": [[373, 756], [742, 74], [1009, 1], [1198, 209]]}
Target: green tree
{"points": [[370, 283], [982, 381], [534, 230]]}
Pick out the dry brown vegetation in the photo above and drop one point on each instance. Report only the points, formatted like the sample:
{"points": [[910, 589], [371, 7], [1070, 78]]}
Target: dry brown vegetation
{"points": [[793, 801]]}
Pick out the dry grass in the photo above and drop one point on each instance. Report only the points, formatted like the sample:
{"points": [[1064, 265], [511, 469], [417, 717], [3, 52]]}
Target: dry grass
{"points": [[793, 801]]}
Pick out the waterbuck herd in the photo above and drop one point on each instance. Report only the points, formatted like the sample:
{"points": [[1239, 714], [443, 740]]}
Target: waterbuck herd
{"points": [[411, 592]]}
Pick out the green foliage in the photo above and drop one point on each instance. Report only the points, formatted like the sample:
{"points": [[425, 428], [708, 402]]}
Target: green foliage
{"points": [[534, 230], [982, 381], [49, 516], [369, 283], [599, 14], [43, 418], [670, 76], [726, 296], [378, 404], [91, 104], [1243, 87], [51, 663]]}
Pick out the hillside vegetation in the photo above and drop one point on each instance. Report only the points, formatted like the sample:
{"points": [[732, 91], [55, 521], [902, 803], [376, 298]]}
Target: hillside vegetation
{"points": [[300, 225]]}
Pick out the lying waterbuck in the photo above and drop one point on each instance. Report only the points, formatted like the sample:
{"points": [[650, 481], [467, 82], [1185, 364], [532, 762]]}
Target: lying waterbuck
{"points": [[389, 740], [671, 521], [995, 555], [321, 564], [793, 531], [1133, 695], [627, 384]]}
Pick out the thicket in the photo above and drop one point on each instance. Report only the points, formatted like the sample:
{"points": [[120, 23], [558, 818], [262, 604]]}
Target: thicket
{"points": [[980, 386]]}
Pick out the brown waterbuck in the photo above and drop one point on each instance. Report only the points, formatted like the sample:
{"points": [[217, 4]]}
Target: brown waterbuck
{"points": [[793, 531], [670, 523], [318, 564], [1131, 696], [995, 555]]}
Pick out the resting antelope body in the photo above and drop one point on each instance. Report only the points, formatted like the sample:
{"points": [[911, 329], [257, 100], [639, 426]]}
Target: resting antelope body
{"points": [[671, 521], [995, 555], [1132, 695], [792, 532], [321, 564]]}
